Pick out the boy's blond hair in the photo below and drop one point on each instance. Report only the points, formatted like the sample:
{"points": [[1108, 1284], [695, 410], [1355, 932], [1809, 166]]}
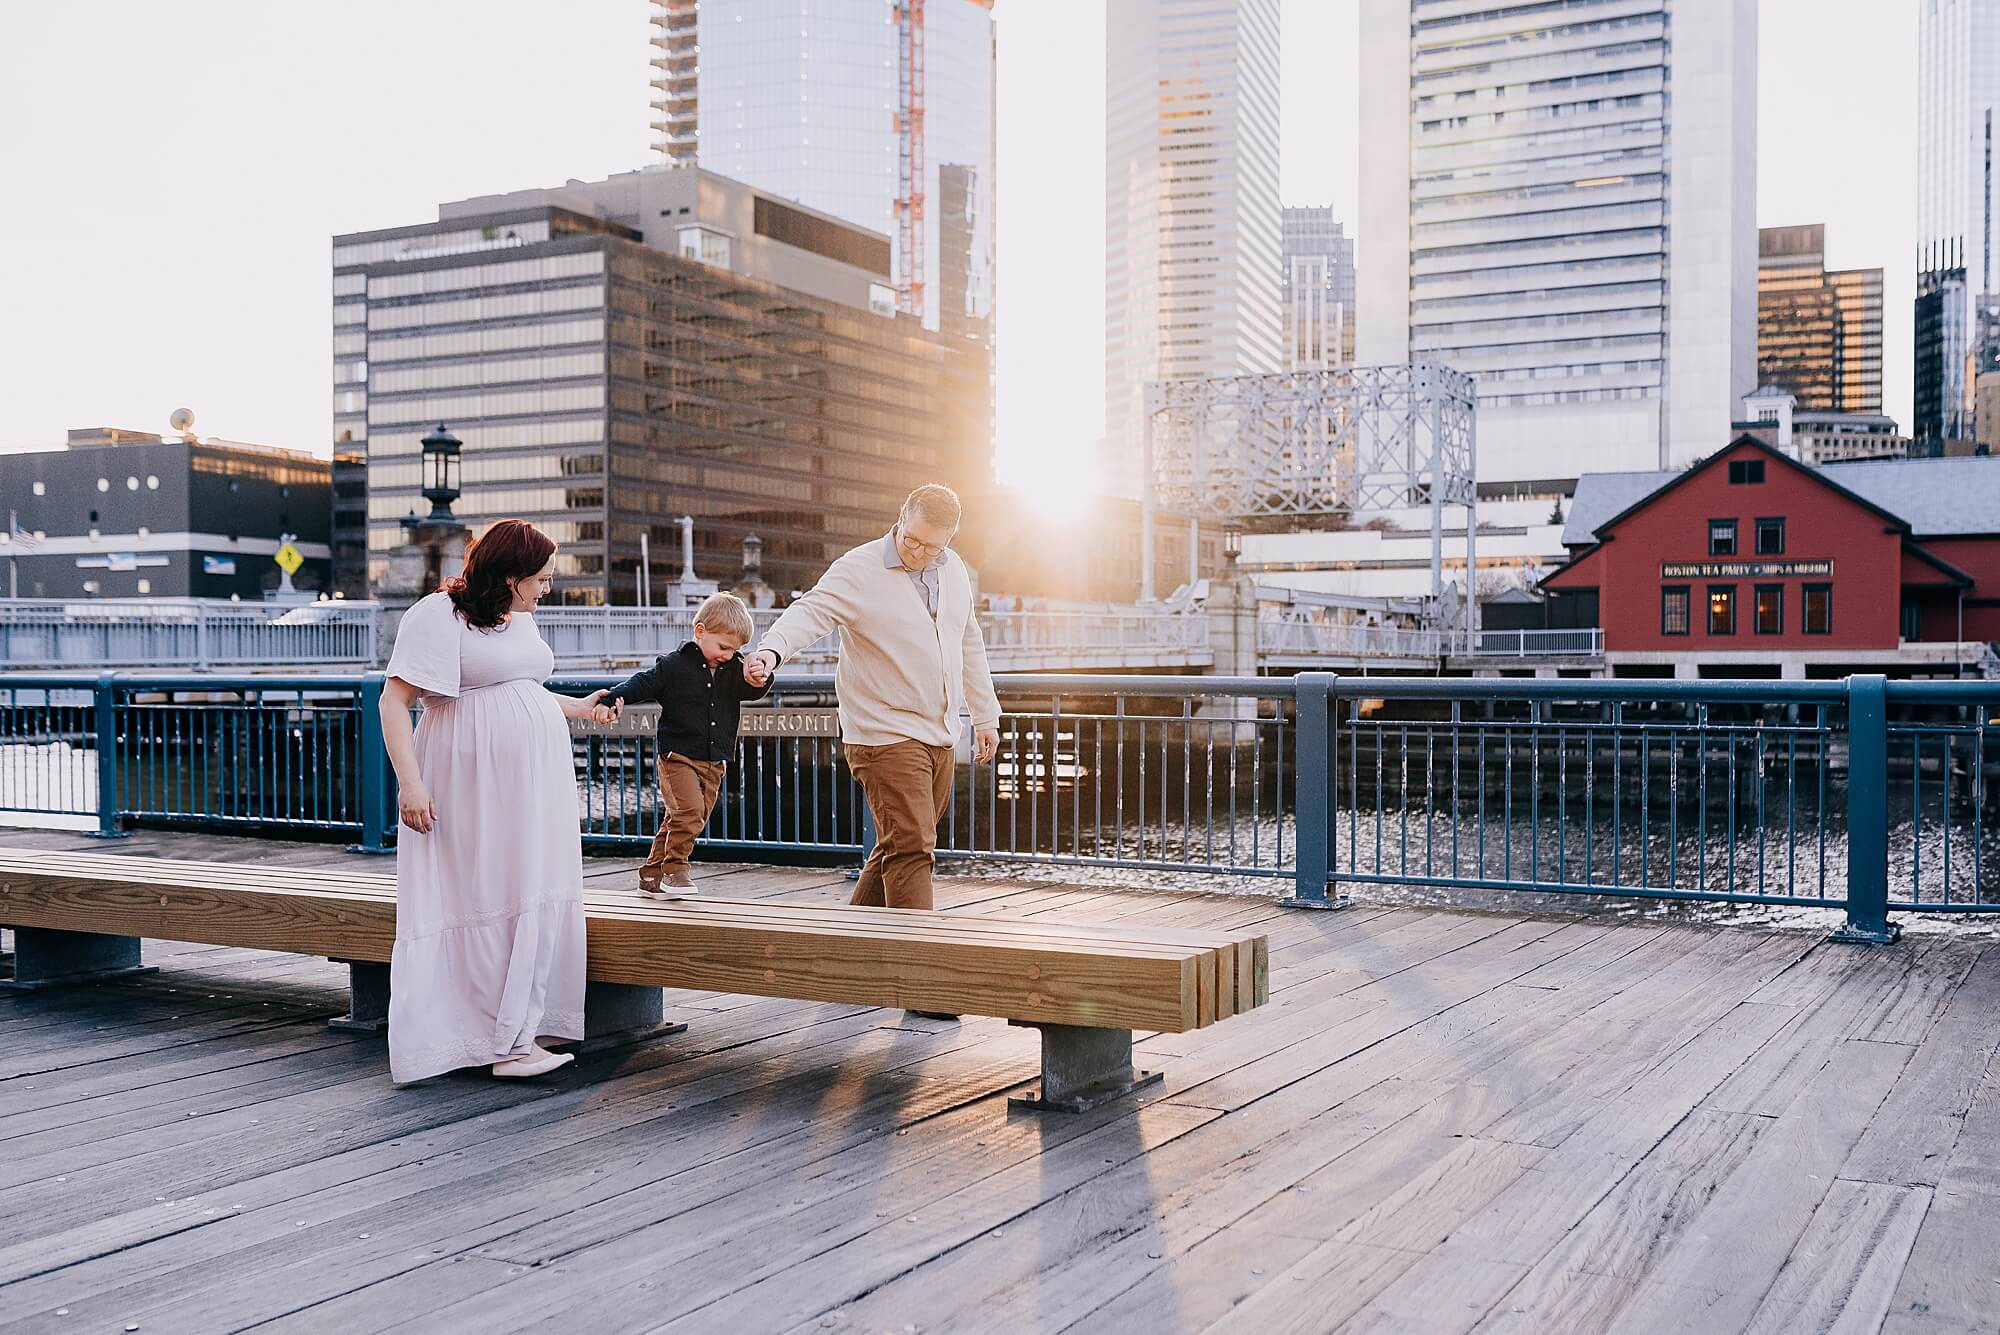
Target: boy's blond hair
{"points": [[726, 614]]}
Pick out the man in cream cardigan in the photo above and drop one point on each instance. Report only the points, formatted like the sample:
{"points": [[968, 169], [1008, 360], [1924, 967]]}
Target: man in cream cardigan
{"points": [[912, 662]]}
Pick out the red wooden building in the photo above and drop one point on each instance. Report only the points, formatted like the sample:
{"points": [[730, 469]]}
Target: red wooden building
{"points": [[1751, 563]]}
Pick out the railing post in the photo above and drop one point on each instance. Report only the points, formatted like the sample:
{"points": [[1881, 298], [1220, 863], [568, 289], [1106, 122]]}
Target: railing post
{"points": [[378, 797], [1868, 812], [107, 758], [1312, 792]]}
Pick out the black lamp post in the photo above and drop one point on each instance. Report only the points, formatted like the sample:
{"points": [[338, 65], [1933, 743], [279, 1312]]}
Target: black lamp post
{"points": [[441, 454], [440, 528]]}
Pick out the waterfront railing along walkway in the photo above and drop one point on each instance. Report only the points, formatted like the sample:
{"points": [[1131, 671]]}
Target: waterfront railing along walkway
{"points": [[1444, 1121], [1880, 798]]}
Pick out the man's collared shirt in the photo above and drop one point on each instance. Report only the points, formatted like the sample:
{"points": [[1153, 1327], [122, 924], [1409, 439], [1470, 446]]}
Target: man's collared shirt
{"points": [[926, 580]]}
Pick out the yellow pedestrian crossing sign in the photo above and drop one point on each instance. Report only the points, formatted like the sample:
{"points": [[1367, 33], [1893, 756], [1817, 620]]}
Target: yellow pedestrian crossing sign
{"points": [[288, 559]]}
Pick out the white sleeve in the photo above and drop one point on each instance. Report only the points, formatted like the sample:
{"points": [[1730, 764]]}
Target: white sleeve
{"points": [[815, 614], [426, 650]]}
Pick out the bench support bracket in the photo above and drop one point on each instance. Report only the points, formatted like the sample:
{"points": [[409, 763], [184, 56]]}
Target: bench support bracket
{"points": [[45, 957], [1083, 1068], [615, 1014], [367, 998]]}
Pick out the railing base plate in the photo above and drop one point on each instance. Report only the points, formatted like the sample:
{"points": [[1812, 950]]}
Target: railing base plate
{"points": [[1857, 936], [374, 852], [1329, 902]]}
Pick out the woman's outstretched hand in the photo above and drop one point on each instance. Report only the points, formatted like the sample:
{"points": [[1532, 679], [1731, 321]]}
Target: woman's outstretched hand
{"points": [[419, 812]]}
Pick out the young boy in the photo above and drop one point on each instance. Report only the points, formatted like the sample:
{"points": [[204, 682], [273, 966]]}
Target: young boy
{"points": [[698, 689]]}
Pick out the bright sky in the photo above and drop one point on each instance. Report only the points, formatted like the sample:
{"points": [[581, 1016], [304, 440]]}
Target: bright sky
{"points": [[174, 173]]}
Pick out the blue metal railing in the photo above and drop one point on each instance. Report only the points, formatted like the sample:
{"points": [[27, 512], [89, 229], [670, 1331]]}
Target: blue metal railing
{"points": [[1870, 796]]}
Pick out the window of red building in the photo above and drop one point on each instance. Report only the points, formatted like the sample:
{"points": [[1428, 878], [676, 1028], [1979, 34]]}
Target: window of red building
{"points": [[1674, 609], [1816, 609], [1722, 609], [1722, 537], [1771, 537], [1770, 609]]}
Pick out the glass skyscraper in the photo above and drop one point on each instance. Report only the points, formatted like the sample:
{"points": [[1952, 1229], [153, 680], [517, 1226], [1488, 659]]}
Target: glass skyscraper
{"points": [[1958, 269], [873, 111], [1192, 260], [1819, 332], [1559, 200]]}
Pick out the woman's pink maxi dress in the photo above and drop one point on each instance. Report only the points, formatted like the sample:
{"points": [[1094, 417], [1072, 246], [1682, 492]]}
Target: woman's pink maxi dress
{"points": [[489, 904]]}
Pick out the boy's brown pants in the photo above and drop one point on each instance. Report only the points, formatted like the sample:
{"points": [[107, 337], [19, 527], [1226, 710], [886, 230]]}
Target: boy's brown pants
{"points": [[907, 784], [689, 788]]}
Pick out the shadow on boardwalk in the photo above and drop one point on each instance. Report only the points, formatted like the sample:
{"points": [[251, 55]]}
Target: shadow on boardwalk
{"points": [[1444, 1121]]}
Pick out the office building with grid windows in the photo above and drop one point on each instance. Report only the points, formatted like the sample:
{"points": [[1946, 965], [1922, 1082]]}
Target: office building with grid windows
{"points": [[614, 354], [1316, 277], [1559, 200]]}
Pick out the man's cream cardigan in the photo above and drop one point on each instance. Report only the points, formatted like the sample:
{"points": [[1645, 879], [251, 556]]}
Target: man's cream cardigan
{"points": [[902, 675]]}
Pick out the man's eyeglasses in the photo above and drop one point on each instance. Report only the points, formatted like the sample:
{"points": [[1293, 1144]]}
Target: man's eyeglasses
{"points": [[927, 550]]}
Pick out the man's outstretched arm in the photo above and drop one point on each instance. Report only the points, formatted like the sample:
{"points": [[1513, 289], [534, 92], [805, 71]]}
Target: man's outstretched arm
{"points": [[819, 611]]}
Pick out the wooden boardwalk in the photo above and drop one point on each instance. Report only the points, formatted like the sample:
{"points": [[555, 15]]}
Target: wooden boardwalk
{"points": [[1443, 1122]]}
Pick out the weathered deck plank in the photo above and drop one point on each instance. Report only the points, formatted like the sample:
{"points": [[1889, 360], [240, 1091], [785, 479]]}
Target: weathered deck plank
{"points": [[1443, 1121]]}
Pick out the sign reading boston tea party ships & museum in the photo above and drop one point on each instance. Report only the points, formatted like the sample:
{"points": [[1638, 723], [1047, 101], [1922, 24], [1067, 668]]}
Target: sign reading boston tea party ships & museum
{"points": [[1742, 569]]}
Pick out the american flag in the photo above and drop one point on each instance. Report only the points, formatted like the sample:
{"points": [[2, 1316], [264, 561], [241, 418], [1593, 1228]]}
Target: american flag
{"points": [[21, 539]]}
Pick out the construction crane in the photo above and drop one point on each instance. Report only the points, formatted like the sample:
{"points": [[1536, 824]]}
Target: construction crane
{"points": [[910, 154]]}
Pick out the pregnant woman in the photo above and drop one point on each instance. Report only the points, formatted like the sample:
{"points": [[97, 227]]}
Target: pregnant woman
{"points": [[489, 863]]}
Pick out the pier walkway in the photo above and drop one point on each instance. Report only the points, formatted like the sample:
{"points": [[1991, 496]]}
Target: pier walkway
{"points": [[1443, 1121]]}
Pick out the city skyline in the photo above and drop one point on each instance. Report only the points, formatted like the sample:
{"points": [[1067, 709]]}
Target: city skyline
{"points": [[199, 277]]}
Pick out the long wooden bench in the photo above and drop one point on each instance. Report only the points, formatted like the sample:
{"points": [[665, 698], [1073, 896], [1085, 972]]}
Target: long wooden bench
{"points": [[80, 917]]}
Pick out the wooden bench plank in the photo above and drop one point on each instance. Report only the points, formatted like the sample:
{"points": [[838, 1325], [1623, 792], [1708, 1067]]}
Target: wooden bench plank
{"points": [[1083, 975]]}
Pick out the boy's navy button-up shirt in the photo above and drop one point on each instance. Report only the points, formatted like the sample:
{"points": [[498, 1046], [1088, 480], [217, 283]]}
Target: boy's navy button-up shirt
{"points": [[698, 708]]}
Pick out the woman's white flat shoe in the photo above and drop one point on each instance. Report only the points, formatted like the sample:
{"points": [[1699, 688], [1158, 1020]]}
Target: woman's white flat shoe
{"points": [[524, 1068]]}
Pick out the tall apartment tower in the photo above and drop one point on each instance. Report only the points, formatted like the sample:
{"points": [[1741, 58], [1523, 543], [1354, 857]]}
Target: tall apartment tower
{"points": [[1819, 332], [1958, 267], [877, 112], [1191, 212], [1316, 287], [1560, 201]]}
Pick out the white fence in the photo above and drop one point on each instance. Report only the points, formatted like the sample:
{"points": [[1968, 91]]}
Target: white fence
{"points": [[608, 636], [1015, 641], [54, 634], [1299, 638], [1585, 642], [1114, 637]]}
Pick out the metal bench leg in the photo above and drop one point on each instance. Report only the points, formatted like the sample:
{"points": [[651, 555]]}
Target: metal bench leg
{"points": [[367, 998], [1082, 1068], [44, 957], [615, 1014]]}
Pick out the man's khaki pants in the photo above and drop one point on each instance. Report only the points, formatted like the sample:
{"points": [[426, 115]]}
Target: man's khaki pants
{"points": [[908, 785], [689, 789]]}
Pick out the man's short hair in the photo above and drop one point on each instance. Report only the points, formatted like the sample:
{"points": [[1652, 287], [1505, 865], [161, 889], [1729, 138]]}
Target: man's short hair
{"points": [[934, 503], [726, 614]]}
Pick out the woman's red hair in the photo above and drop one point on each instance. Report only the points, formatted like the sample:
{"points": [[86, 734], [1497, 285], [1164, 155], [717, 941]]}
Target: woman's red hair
{"points": [[511, 549]]}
